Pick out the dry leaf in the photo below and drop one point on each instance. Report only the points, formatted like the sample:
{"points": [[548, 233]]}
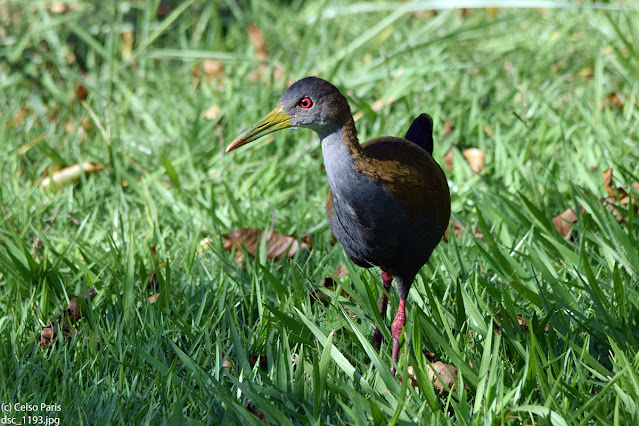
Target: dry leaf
{"points": [[617, 197], [458, 228], [448, 374], [71, 174], [65, 319], [259, 45], [154, 297], [278, 245], [448, 129], [57, 7], [614, 100], [329, 284], [204, 243], [607, 184], [257, 40], [213, 68], [489, 131], [211, 113], [563, 221], [448, 159], [18, 119], [521, 321], [81, 93], [476, 158]]}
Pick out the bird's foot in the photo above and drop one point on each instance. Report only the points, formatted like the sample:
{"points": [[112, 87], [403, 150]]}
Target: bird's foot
{"points": [[396, 331]]}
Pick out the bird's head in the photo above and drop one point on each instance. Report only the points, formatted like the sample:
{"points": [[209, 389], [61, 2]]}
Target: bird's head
{"points": [[308, 103]]}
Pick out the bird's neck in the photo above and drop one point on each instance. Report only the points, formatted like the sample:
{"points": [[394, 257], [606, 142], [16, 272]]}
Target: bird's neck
{"points": [[342, 152]]}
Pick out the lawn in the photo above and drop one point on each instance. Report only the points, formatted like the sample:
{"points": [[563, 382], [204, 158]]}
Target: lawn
{"points": [[539, 327]]}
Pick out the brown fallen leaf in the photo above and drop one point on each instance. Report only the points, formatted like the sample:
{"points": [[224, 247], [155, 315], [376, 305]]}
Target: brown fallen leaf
{"points": [[448, 129], [278, 245], [448, 159], [607, 183], [57, 7], [613, 100], [211, 113], [458, 229], [256, 36], [375, 106], [447, 373], [476, 158], [521, 321], [154, 297], [329, 284], [617, 197], [489, 131], [70, 174], [81, 93], [562, 222], [18, 119], [213, 68], [65, 319]]}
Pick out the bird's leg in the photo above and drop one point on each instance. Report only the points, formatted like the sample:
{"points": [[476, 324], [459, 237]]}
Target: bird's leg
{"points": [[387, 279], [396, 330]]}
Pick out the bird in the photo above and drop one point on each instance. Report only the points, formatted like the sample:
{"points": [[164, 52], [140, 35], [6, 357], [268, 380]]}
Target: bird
{"points": [[389, 201]]}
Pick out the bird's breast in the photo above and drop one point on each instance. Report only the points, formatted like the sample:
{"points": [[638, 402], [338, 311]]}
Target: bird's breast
{"points": [[360, 213]]}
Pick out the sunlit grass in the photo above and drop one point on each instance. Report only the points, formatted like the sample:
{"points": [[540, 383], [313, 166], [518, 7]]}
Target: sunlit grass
{"points": [[531, 88]]}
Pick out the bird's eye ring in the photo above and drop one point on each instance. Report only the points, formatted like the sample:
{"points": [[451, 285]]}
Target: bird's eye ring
{"points": [[305, 102]]}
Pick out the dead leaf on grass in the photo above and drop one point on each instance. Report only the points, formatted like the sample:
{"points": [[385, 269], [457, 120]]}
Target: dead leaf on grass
{"points": [[522, 322], [458, 229], [617, 197], [65, 320], [329, 284], [81, 93], [279, 246], [448, 129], [18, 119], [70, 174], [476, 158], [447, 373], [613, 100], [562, 222], [211, 113], [489, 131], [448, 159], [154, 297]]}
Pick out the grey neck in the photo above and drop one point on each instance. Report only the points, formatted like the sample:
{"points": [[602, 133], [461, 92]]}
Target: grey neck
{"points": [[338, 161]]}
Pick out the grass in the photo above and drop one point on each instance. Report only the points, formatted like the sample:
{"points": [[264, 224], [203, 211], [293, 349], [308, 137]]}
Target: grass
{"points": [[534, 89]]}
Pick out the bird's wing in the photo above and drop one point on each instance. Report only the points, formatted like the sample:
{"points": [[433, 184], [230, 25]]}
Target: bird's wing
{"points": [[409, 174]]}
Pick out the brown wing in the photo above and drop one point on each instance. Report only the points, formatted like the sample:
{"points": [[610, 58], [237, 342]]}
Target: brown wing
{"points": [[409, 174]]}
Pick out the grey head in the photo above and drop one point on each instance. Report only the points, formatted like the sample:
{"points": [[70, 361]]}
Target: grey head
{"points": [[315, 104]]}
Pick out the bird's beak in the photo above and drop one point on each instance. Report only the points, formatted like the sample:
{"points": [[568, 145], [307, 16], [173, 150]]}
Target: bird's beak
{"points": [[271, 122]]}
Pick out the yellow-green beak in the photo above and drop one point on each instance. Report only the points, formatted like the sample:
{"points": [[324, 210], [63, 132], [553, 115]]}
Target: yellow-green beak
{"points": [[272, 122]]}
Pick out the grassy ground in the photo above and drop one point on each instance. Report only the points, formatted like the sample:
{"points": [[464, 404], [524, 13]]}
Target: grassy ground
{"points": [[542, 329]]}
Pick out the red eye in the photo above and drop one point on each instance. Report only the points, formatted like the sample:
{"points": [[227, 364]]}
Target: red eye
{"points": [[305, 102]]}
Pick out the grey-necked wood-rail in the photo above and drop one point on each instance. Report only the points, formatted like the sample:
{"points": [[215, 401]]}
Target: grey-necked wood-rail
{"points": [[388, 203]]}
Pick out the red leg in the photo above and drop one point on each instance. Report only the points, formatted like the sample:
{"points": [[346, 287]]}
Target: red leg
{"points": [[396, 330], [387, 279]]}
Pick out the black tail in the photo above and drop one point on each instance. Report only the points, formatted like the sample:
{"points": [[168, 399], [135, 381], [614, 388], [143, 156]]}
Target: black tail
{"points": [[421, 132]]}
